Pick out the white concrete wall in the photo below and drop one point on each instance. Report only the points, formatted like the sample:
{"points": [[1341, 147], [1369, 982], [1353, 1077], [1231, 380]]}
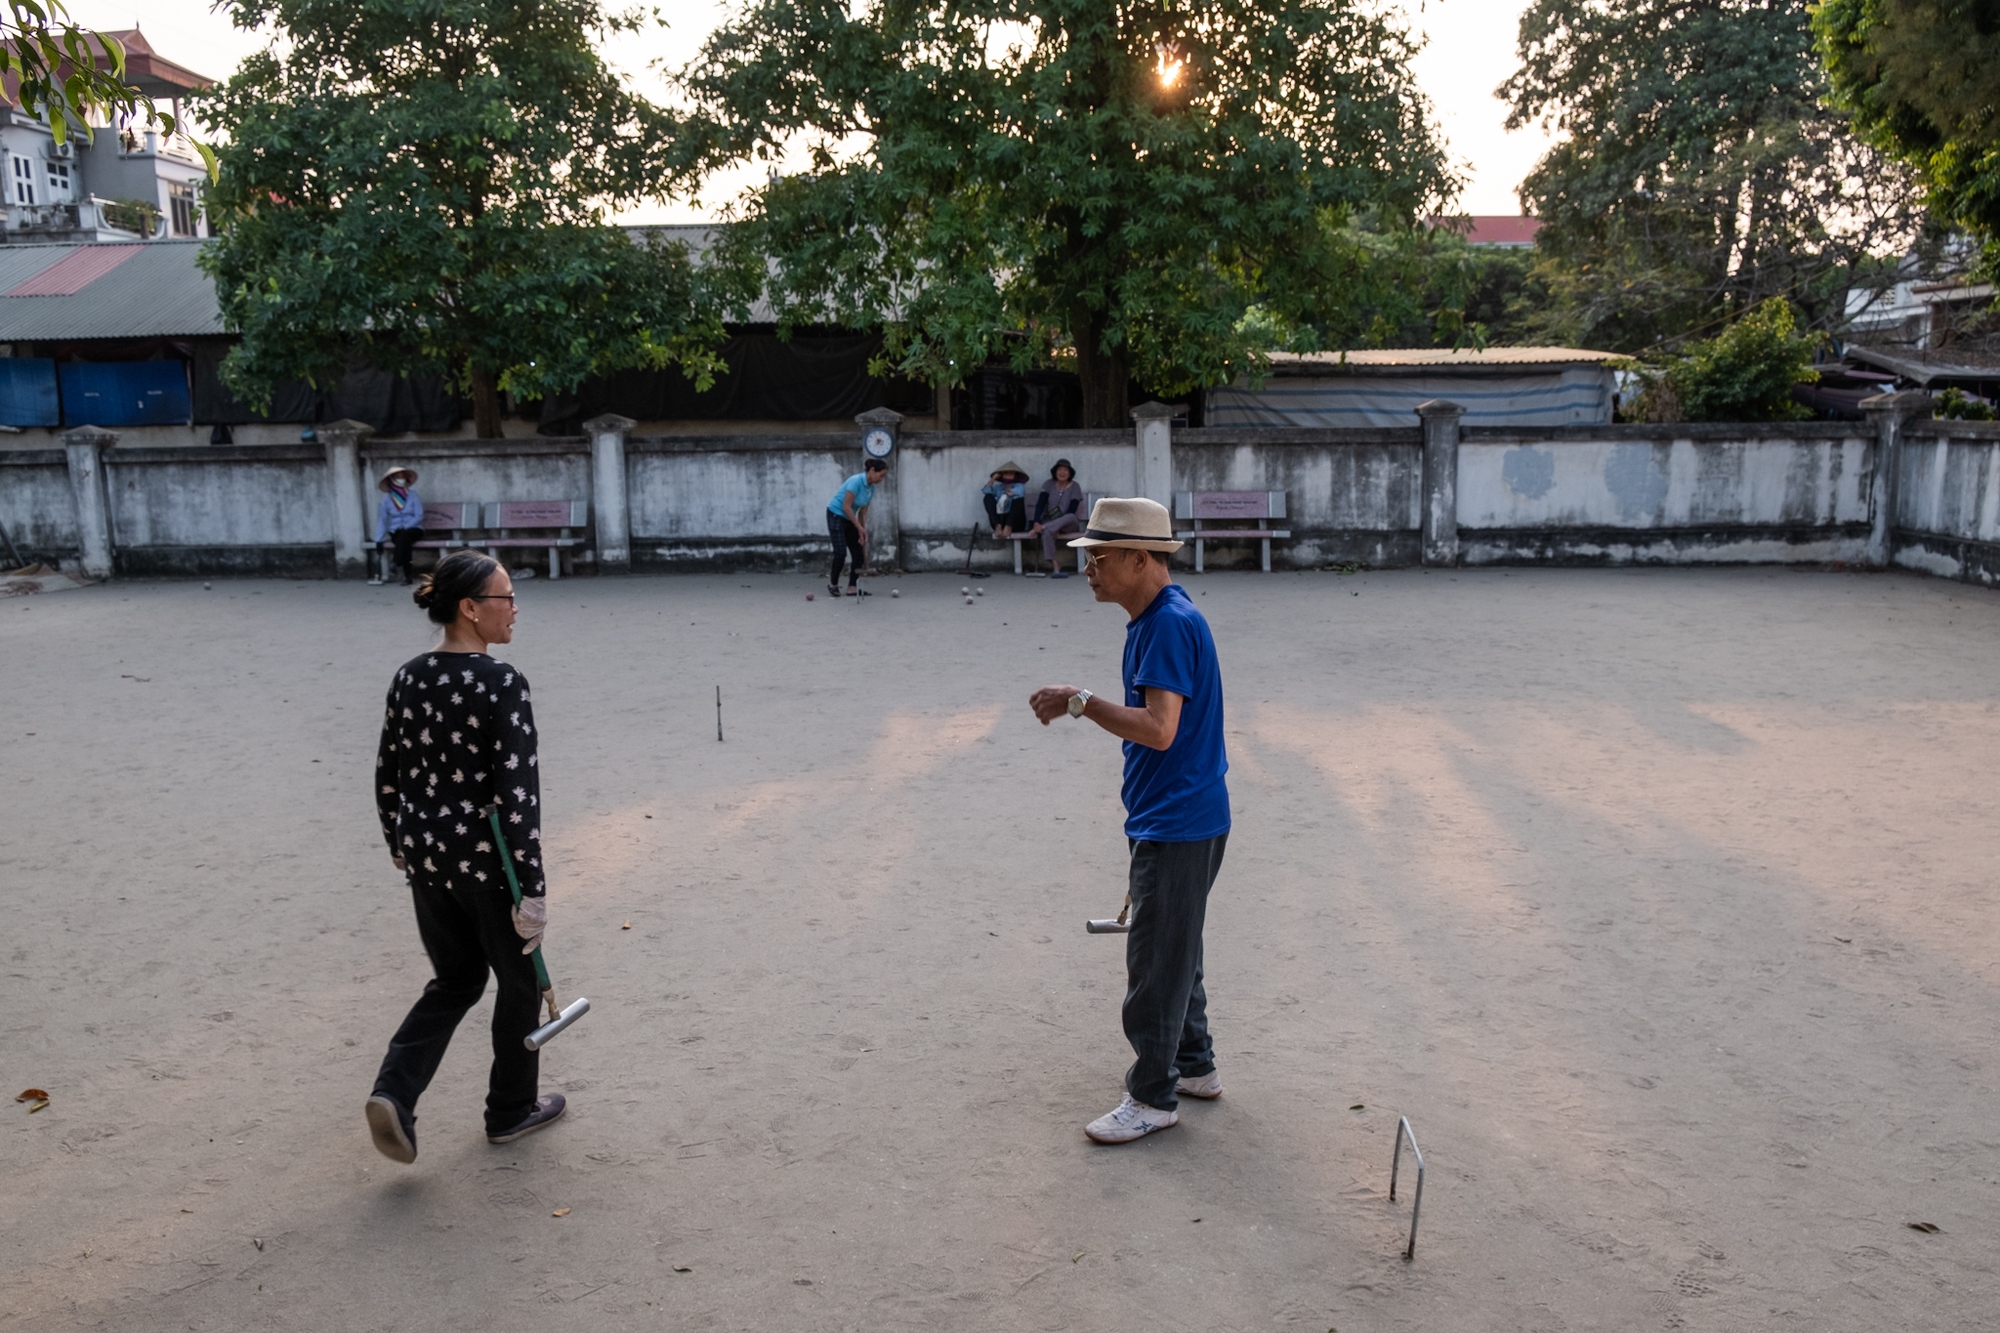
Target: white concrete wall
{"points": [[36, 506], [1948, 500], [712, 495], [1764, 493], [1663, 483], [174, 502]]}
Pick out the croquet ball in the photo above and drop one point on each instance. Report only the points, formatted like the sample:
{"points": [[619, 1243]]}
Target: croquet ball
{"points": [[809, 597], [980, 593], [966, 590], [208, 585], [968, 601], [895, 592]]}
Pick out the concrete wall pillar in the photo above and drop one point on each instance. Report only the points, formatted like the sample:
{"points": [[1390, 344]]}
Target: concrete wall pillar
{"points": [[85, 448], [352, 535], [885, 514], [610, 506], [1155, 440], [1440, 494], [1887, 412]]}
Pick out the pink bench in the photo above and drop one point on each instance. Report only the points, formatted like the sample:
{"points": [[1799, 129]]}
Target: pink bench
{"points": [[536, 524], [1090, 498], [451, 519], [1234, 508]]}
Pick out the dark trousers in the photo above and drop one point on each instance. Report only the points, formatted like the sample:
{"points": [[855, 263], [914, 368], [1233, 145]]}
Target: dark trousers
{"points": [[466, 932], [1014, 517], [405, 541], [846, 542], [1166, 1009]]}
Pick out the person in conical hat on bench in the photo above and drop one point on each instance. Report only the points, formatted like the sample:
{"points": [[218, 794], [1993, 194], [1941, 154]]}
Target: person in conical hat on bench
{"points": [[1176, 807], [399, 516], [1006, 497]]}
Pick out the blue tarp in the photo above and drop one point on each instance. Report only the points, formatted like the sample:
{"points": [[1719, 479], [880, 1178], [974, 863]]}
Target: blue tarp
{"points": [[28, 392], [124, 393]]}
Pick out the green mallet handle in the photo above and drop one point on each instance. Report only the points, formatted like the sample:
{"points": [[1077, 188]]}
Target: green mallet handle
{"points": [[514, 887]]}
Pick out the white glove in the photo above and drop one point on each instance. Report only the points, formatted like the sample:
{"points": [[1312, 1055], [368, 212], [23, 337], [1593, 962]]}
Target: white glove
{"points": [[531, 922]]}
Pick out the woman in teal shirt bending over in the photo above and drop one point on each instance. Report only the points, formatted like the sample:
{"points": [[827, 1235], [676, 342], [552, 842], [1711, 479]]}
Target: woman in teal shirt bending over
{"points": [[847, 525]]}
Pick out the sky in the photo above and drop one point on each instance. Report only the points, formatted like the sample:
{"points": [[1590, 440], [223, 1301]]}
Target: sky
{"points": [[1470, 49]]}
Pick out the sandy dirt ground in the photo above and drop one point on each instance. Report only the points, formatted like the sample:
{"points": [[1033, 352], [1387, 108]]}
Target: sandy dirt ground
{"points": [[1662, 902]]}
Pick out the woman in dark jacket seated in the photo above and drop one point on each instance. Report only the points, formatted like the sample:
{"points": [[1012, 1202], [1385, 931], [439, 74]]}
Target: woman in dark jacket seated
{"points": [[1058, 510]]}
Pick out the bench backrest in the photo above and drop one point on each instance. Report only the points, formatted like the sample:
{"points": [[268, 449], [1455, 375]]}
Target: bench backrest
{"points": [[1229, 504], [448, 515], [515, 514]]}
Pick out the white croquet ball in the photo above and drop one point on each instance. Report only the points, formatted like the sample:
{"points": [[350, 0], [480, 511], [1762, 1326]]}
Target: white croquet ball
{"points": [[965, 590], [980, 593], [895, 592], [968, 601]]}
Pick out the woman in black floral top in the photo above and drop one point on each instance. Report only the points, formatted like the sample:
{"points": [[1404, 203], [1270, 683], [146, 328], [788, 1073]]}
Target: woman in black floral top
{"points": [[459, 735]]}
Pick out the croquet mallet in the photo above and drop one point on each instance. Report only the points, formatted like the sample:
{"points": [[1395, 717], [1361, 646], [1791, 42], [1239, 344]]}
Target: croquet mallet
{"points": [[558, 1018]]}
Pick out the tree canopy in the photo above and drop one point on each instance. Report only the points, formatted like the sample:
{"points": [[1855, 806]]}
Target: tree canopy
{"points": [[422, 184], [1921, 79], [1697, 172], [1132, 188]]}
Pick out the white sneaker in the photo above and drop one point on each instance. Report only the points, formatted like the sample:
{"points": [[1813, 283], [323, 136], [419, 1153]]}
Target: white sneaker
{"points": [[1207, 1087], [1132, 1120]]}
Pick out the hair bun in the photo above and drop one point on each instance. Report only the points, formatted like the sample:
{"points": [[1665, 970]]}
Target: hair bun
{"points": [[426, 594]]}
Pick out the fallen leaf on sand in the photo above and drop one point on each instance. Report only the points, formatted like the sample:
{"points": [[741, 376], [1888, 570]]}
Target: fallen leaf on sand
{"points": [[1074, 1257], [31, 1095], [1357, 1106], [560, 1212], [1844, 939], [678, 1268], [1928, 1228], [626, 926], [258, 1241], [37, 1105]]}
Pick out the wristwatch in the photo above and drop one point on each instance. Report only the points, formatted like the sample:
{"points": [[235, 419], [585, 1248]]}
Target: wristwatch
{"points": [[1077, 702]]}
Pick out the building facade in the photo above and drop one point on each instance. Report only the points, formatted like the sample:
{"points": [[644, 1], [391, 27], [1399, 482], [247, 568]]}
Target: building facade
{"points": [[118, 183]]}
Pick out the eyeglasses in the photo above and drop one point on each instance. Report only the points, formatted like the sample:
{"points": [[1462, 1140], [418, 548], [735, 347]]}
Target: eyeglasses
{"points": [[494, 597]]}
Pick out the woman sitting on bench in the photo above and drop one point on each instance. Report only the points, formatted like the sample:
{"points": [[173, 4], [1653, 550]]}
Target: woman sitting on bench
{"points": [[1005, 496], [1058, 510], [399, 518]]}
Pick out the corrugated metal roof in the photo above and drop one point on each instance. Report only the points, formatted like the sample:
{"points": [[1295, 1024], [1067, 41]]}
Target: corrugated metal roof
{"points": [[1431, 358], [75, 270], [157, 293]]}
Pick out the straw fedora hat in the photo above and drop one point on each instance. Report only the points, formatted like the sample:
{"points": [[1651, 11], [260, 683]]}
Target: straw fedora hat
{"points": [[399, 470], [1142, 524]]}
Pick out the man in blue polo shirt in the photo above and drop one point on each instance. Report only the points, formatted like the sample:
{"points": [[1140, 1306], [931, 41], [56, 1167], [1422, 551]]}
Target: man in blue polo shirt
{"points": [[1176, 808]]}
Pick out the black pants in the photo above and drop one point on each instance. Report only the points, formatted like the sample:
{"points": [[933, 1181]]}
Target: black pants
{"points": [[405, 541], [1014, 517], [465, 932], [1166, 1009], [846, 542]]}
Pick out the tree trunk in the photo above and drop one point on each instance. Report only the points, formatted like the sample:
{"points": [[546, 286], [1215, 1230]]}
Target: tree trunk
{"points": [[1106, 381], [485, 404]]}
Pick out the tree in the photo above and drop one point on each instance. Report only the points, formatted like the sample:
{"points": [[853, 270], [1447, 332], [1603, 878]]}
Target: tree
{"points": [[1744, 373], [1921, 80], [1698, 172], [50, 69], [1134, 189], [422, 183]]}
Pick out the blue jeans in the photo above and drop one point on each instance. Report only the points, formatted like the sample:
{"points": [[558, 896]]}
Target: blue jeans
{"points": [[1166, 1008]]}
